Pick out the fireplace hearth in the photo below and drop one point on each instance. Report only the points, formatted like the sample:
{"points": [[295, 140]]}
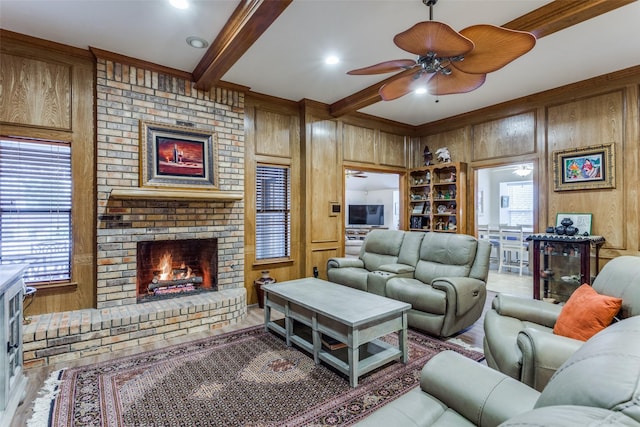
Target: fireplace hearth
{"points": [[167, 268]]}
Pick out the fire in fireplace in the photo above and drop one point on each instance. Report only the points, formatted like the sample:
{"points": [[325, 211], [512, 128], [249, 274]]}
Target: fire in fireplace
{"points": [[169, 267]]}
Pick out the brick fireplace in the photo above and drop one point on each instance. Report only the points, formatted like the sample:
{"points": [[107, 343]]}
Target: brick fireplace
{"points": [[126, 95]]}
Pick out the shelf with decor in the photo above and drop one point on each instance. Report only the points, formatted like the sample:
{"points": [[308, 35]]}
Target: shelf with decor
{"points": [[436, 198]]}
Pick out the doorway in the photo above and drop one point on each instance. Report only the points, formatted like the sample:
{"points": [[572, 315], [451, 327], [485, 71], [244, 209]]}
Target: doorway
{"points": [[505, 195], [505, 207], [371, 200]]}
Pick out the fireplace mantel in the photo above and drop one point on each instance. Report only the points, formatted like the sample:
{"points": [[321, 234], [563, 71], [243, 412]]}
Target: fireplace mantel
{"points": [[165, 194]]}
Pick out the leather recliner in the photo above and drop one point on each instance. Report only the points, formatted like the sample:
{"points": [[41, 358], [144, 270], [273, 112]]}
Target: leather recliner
{"points": [[598, 385], [519, 339], [448, 291]]}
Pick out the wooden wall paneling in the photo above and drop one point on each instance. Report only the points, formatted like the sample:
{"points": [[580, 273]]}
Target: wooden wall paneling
{"points": [[324, 174], [631, 164], [359, 144], [505, 137], [319, 258], [84, 183], [456, 140], [591, 121], [50, 95], [392, 149], [273, 133], [272, 136], [555, 129], [35, 92]]}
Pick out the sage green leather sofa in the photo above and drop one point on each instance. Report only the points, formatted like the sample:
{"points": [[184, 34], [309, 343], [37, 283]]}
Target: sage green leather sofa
{"points": [[442, 276], [519, 339], [598, 385]]}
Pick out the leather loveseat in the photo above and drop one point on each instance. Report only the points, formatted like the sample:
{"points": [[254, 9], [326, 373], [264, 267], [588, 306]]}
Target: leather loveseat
{"points": [[598, 385], [442, 275]]}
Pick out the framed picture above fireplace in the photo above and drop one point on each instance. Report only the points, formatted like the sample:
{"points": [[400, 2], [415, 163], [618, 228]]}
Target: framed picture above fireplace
{"points": [[177, 157]]}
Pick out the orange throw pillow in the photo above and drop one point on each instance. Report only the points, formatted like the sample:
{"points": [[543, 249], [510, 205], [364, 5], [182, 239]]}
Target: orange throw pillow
{"points": [[586, 313]]}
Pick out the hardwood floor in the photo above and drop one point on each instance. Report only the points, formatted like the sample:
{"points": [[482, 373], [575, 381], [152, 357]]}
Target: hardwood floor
{"points": [[505, 282]]}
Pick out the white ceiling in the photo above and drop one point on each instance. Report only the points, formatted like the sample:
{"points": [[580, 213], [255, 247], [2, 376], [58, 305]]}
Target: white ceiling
{"points": [[287, 60]]}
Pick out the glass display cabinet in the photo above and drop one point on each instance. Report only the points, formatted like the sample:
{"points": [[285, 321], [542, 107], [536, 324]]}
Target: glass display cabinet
{"points": [[12, 379], [562, 263]]}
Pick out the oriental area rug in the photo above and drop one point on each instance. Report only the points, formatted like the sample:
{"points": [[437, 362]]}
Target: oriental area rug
{"points": [[244, 378]]}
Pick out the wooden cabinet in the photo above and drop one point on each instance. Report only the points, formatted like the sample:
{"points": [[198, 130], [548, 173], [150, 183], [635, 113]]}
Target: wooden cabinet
{"points": [[562, 263], [12, 379], [437, 198]]}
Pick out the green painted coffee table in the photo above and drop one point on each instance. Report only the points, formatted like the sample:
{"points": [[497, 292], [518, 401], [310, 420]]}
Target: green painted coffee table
{"points": [[348, 315]]}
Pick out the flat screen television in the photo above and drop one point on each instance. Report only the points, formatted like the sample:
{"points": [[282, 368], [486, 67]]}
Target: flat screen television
{"points": [[365, 215]]}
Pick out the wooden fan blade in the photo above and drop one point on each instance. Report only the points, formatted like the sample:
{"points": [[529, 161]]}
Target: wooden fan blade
{"points": [[433, 36], [403, 85], [456, 82], [384, 67], [494, 48]]}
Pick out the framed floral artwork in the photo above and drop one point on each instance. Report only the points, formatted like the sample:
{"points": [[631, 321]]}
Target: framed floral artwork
{"points": [[584, 168]]}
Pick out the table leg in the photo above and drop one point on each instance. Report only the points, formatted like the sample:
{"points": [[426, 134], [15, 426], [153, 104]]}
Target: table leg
{"points": [[267, 312], [288, 324], [315, 338], [402, 339], [353, 344]]}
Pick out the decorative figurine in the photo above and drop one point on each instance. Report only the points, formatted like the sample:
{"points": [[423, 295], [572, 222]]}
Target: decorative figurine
{"points": [[443, 155], [426, 154]]}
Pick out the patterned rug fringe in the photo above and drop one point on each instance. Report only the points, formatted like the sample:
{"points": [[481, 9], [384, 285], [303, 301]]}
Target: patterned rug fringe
{"points": [[43, 403]]}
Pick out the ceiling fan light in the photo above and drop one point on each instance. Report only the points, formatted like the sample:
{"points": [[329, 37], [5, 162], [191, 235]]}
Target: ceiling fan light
{"points": [[523, 171]]}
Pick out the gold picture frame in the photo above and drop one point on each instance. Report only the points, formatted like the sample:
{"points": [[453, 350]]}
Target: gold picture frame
{"points": [[585, 168], [177, 157]]}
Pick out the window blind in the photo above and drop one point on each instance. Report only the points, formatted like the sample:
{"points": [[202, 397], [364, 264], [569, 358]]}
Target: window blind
{"points": [[273, 217], [35, 208]]}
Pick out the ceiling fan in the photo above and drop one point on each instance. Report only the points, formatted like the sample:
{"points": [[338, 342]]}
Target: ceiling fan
{"points": [[355, 174], [448, 62]]}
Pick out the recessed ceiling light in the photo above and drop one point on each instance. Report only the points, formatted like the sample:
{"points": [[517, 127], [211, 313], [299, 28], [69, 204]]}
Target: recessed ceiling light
{"points": [[421, 91], [197, 42], [179, 4], [331, 60]]}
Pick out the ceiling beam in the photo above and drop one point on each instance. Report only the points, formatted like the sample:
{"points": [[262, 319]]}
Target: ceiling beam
{"points": [[548, 19], [562, 14], [249, 21], [364, 98]]}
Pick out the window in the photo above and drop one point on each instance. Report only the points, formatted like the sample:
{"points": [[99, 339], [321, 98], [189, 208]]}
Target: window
{"points": [[35, 208], [516, 202], [273, 212]]}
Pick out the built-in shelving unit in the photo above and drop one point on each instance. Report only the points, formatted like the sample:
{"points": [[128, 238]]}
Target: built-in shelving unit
{"points": [[437, 198]]}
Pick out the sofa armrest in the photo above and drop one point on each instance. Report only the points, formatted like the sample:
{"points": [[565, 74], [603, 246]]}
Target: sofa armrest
{"points": [[532, 310], [464, 292], [344, 262], [482, 395], [542, 355], [402, 270]]}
